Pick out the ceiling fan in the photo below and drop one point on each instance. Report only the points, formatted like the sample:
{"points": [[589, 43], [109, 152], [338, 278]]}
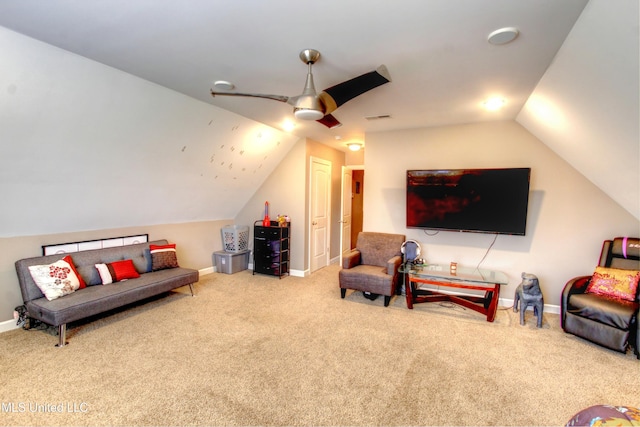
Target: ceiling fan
{"points": [[313, 106]]}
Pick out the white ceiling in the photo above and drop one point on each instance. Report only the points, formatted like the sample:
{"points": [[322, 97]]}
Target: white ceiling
{"points": [[442, 66], [436, 51]]}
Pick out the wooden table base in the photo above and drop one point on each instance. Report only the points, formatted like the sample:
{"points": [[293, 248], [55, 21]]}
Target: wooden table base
{"points": [[487, 304]]}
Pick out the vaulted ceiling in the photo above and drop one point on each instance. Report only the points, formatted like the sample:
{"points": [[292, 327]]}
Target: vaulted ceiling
{"points": [[570, 77]]}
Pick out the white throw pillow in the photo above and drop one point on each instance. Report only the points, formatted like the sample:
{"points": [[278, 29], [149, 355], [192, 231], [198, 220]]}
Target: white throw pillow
{"points": [[55, 280], [105, 275]]}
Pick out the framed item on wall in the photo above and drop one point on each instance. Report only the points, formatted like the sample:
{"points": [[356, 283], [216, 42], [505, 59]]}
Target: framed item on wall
{"points": [[86, 245]]}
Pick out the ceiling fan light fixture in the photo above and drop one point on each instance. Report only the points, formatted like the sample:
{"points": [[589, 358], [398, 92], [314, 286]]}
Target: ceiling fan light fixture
{"points": [[309, 105], [308, 114]]}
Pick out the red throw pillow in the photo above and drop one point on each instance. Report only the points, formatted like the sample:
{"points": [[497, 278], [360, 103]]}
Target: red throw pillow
{"points": [[123, 270], [69, 261]]}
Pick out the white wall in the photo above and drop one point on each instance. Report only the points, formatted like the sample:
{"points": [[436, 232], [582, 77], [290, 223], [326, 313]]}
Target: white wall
{"points": [[84, 146], [568, 217], [89, 152], [285, 191], [592, 119]]}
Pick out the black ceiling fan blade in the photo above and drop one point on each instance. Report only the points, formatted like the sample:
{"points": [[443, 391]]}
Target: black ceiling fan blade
{"points": [[329, 121], [346, 91], [280, 98]]}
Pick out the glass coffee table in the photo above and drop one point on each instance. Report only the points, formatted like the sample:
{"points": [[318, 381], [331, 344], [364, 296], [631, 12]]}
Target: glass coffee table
{"points": [[465, 278]]}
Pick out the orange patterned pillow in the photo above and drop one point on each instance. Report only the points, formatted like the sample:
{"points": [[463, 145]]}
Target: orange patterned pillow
{"points": [[614, 283]]}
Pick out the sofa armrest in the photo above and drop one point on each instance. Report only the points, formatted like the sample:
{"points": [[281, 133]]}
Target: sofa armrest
{"points": [[351, 259], [393, 265], [577, 285]]}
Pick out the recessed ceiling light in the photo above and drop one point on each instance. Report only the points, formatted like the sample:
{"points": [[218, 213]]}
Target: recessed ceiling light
{"points": [[493, 104], [503, 35], [223, 85], [288, 126], [355, 146]]}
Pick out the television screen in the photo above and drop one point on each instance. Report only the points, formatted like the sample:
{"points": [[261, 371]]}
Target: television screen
{"points": [[478, 200]]}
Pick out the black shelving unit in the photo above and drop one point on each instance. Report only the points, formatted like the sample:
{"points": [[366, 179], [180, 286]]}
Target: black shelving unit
{"points": [[271, 248]]}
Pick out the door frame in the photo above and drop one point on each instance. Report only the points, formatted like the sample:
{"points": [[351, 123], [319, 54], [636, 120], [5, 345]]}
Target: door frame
{"points": [[343, 212]]}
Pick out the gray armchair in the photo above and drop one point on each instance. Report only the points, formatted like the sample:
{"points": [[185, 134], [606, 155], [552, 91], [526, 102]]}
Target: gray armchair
{"points": [[609, 322], [373, 266]]}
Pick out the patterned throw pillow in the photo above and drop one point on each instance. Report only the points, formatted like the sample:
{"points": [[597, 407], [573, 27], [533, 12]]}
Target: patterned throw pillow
{"points": [[614, 283], [163, 256], [117, 271], [73, 267], [55, 280]]}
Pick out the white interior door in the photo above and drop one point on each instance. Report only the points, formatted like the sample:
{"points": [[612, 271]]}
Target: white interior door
{"points": [[320, 197], [345, 221]]}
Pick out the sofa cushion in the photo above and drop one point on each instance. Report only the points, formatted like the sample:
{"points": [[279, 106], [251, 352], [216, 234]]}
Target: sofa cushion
{"points": [[55, 280], [163, 256], [614, 283], [370, 278], [610, 311]]}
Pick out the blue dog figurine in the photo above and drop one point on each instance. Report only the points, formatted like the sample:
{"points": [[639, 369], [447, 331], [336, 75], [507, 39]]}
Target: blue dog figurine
{"points": [[528, 293]]}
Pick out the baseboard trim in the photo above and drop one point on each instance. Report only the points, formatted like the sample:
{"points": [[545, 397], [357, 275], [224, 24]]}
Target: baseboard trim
{"points": [[208, 270], [295, 273], [548, 308], [8, 325]]}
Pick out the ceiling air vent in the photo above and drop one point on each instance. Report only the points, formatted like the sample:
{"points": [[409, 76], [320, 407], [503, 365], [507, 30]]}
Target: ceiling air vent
{"points": [[382, 116]]}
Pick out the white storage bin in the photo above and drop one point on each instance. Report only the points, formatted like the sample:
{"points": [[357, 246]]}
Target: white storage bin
{"points": [[235, 238]]}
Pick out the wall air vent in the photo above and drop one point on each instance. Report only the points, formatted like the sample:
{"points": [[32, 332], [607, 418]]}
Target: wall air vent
{"points": [[382, 116]]}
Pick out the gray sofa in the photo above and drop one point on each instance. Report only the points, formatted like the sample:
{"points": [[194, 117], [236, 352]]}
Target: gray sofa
{"points": [[96, 298]]}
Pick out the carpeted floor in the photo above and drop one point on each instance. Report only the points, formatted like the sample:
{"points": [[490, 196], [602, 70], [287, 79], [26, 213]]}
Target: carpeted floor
{"points": [[258, 350]]}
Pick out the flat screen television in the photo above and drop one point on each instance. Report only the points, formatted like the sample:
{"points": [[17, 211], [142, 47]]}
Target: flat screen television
{"points": [[475, 200]]}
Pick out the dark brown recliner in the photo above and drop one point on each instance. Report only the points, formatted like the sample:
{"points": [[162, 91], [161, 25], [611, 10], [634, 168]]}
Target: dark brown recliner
{"points": [[606, 321], [372, 267]]}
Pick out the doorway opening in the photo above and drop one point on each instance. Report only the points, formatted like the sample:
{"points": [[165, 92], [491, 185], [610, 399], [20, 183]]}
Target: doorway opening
{"points": [[351, 208], [357, 188]]}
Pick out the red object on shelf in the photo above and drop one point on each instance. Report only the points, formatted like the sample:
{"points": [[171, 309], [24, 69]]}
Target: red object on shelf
{"points": [[266, 222]]}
